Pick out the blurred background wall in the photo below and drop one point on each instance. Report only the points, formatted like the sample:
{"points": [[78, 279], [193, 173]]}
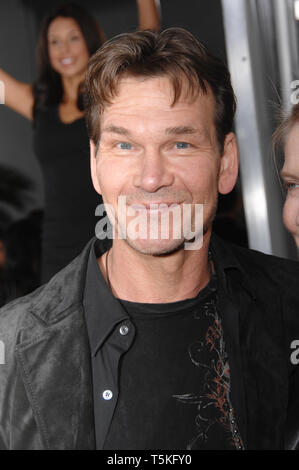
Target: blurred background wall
{"points": [[18, 31]]}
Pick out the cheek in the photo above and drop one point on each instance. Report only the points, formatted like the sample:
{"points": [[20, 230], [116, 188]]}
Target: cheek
{"points": [[290, 213], [201, 180], [81, 50], [111, 180], [53, 55]]}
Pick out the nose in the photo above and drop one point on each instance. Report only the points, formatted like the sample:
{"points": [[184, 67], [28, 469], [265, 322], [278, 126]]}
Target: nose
{"points": [[152, 172], [65, 46]]}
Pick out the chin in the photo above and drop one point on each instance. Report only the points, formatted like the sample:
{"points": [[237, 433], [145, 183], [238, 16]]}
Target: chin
{"points": [[69, 72], [156, 247], [148, 245]]}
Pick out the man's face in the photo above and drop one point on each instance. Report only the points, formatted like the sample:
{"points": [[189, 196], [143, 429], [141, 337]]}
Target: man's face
{"points": [[290, 175], [152, 152]]}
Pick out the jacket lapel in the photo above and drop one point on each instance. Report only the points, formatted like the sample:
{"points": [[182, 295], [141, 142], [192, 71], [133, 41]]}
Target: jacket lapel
{"points": [[230, 320], [55, 368], [54, 361], [253, 331]]}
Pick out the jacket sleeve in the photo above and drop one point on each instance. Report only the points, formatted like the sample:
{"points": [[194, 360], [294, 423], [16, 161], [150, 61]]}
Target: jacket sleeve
{"points": [[7, 374], [292, 421], [14, 405]]}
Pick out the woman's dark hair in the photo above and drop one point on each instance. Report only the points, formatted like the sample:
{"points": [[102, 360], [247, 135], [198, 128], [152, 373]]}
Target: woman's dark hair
{"points": [[48, 87]]}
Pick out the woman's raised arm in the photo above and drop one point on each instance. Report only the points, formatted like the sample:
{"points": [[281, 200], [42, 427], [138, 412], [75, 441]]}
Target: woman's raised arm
{"points": [[148, 15], [17, 95]]}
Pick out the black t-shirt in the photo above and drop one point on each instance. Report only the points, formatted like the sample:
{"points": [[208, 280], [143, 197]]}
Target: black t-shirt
{"points": [[174, 381]]}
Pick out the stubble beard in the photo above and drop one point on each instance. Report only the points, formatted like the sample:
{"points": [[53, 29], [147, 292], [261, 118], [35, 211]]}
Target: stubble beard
{"points": [[178, 244]]}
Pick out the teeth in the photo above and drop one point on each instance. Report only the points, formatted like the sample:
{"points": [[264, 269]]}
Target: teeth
{"points": [[67, 61]]}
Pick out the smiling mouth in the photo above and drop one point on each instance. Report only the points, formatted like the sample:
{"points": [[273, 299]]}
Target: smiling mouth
{"points": [[67, 61], [155, 206]]}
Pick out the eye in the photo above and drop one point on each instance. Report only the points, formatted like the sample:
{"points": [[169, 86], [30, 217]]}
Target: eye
{"points": [[182, 145], [290, 186], [74, 38], [124, 146]]}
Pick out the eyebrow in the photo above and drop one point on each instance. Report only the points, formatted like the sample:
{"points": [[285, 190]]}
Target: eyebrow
{"points": [[116, 130], [285, 174], [180, 130]]}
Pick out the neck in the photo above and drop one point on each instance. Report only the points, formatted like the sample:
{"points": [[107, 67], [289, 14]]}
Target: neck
{"points": [[70, 88], [162, 279]]}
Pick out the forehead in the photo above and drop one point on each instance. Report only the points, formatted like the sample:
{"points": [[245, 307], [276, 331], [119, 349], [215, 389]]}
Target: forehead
{"points": [[291, 163], [62, 25], [150, 101]]}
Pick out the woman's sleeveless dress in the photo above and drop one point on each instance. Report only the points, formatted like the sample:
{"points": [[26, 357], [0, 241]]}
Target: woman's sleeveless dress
{"points": [[70, 199]]}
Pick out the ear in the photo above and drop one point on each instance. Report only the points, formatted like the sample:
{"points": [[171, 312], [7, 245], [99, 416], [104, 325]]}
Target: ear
{"points": [[93, 167], [229, 164]]}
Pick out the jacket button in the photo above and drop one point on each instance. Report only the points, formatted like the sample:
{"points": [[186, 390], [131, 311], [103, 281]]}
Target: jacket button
{"points": [[124, 330], [107, 395]]}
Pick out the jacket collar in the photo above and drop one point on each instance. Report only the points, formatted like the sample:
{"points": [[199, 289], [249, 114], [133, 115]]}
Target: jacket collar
{"points": [[66, 288], [226, 262], [97, 294]]}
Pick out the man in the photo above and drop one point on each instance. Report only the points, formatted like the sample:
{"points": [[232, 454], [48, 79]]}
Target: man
{"points": [[150, 341]]}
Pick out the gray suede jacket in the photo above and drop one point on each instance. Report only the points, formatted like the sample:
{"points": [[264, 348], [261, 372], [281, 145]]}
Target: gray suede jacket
{"points": [[46, 383]]}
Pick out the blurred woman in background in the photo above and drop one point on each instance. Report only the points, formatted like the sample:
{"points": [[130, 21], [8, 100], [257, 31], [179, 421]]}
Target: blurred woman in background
{"points": [[68, 37], [286, 139]]}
